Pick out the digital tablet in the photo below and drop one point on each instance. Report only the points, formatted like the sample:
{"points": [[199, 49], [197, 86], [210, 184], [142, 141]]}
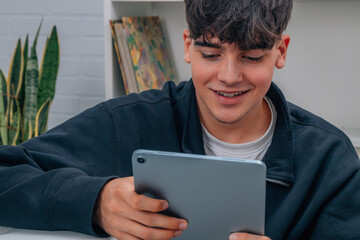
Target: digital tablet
{"points": [[216, 195]]}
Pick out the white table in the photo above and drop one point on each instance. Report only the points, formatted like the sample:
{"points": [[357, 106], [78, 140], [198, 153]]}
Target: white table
{"points": [[19, 234]]}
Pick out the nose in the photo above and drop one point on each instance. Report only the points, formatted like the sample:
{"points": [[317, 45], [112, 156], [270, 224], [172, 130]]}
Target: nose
{"points": [[230, 72]]}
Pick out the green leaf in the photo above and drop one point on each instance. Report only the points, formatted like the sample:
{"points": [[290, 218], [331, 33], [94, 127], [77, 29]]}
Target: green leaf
{"points": [[15, 82], [31, 91], [4, 88], [21, 94], [42, 118], [49, 68], [15, 122], [33, 47], [15, 70], [3, 121], [13, 87]]}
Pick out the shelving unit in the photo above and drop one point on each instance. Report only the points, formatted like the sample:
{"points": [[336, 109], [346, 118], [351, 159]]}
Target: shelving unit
{"points": [[312, 77], [172, 16]]}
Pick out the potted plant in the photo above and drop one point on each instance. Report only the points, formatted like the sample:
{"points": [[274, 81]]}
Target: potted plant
{"points": [[27, 92]]}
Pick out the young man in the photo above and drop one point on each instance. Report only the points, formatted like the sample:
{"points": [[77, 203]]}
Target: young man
{"points": [[78, 175]]}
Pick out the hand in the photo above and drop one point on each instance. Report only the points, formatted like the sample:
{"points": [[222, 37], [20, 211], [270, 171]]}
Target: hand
{"points": [[124, 214], [247, 236]]}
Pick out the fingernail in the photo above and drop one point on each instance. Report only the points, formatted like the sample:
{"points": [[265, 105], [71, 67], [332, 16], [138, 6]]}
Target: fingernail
{"points": [[165, 205], [177, 233], [233, 236], [182, 226]]}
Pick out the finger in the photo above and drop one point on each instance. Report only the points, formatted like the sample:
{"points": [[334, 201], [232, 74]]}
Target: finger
{"points": [[148, 233], [144, 203], [159, 220], [124, 236], [247, 236]]}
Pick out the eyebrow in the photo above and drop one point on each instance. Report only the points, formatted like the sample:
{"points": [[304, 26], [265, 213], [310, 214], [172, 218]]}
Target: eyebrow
{"points": [[200, 43]]}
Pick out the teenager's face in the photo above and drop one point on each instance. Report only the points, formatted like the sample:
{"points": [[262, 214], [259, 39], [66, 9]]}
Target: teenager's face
{"points": [[230, 83]]}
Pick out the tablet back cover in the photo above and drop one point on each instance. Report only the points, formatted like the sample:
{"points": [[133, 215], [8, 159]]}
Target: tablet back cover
{"points": [[216, 195]]}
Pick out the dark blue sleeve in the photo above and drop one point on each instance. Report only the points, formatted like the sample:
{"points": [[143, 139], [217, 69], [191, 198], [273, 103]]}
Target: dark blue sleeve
{"points": [[52, 182], [340, 216]]}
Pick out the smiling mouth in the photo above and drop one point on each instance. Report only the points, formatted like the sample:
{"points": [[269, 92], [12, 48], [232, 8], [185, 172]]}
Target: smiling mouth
{"points": [[230, 95]]}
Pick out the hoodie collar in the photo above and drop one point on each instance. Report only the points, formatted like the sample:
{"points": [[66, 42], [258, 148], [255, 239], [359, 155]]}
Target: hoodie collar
{"points": [[192, 141], [279, 157]]}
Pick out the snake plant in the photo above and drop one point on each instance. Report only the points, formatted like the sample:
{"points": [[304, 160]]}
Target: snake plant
{"points": [[27, 93]]}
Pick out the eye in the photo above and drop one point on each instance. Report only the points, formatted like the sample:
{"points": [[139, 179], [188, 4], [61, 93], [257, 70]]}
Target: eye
{"points": [[209, 56], [253, 59]]}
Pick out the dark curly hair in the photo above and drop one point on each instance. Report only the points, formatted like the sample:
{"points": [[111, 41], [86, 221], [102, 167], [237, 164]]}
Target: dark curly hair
{"points": [[251, 24]]}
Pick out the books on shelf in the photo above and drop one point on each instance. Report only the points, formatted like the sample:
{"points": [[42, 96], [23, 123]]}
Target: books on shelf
{"points": [[142, 53]]}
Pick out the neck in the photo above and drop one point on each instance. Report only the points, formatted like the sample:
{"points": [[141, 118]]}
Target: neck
{"points": [[248, 129]]}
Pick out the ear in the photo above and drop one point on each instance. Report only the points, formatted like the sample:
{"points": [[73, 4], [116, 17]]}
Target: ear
{"points": [[282, 47], [187, 43]]}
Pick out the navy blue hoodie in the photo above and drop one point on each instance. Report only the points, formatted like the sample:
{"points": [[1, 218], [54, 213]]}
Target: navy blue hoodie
{"points": [[52, 182]]}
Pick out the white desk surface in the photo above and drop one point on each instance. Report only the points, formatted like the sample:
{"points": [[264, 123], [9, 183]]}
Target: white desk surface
{"points": [[16, 234]]}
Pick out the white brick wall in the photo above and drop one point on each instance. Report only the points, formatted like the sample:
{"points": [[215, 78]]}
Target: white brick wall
{"points": [[80, 82]]}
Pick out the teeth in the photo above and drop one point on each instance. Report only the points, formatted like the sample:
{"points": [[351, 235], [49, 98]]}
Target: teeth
{"points": [[230, 95]]}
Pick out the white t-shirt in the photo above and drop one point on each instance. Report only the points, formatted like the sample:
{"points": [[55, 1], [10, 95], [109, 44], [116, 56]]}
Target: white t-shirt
{"points": [[252, 150]]}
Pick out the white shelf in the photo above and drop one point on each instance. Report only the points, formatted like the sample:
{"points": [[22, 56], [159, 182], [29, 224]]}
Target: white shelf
{"points": [[172, 16], [354, 135]]}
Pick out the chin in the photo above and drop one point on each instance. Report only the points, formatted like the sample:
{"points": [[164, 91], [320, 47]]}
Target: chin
{"points": [[228, 120]]}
